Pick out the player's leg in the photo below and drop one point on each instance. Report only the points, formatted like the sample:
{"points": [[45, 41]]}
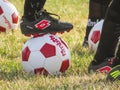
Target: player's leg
{"points": [[37, 20], [31, 7], [97, 10], [108, 40]]}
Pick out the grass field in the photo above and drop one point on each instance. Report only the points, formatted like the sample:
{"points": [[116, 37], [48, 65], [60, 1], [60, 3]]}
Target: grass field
{"points": [[12, 76]]}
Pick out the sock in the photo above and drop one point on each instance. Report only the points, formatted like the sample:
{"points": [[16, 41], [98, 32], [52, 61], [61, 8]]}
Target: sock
{"points": [[31, 7]]}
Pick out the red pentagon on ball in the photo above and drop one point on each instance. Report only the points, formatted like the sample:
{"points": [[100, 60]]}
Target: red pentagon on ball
{"points": [[25, 54], [2, 29], [48, 50], [64, 66], [14, 18], [1, 11], [95, 36], [42, 71]]}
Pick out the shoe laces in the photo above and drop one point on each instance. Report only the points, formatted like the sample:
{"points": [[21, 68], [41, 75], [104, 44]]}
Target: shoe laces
{"points": [[48, 14], [110, 60]]}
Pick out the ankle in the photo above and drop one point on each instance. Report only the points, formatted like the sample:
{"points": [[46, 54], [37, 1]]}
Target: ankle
{"points": [[116, 61]]}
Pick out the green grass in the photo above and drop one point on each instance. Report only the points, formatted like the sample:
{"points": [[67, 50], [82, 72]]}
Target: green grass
{"points": [[12, 76]]}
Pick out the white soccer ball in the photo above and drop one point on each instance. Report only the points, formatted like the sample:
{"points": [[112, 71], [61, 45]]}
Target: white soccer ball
{"points": [[8, 16], [94, 36], [46, 54]]}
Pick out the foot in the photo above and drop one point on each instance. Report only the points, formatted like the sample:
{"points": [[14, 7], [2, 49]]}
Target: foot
{"points": [[114, 74], [101, 67], [44, 23]]}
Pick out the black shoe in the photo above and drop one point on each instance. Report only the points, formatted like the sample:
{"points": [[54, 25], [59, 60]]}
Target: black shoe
{"points": [[85, 43], [114, 74], [102, 67], [44, 23]]}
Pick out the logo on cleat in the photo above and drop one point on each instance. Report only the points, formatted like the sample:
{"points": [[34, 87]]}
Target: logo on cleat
{"points": [[42, 24], [104, 69]]}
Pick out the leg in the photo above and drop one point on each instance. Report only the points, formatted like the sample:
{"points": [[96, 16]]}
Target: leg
{"points": [[109, 36], [32, 6], [97, 10]]}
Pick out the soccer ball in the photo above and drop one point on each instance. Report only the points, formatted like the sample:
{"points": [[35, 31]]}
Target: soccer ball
{"points": [[94, 36], [8, 16], [46, 54]]}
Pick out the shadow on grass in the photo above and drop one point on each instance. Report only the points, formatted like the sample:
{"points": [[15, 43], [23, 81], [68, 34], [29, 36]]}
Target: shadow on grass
{"points": [[14, 74]]}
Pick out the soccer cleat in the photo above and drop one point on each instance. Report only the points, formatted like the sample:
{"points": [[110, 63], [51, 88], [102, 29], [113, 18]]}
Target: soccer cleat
{"points": [[105, 66], [44, 23], [114, 74]]}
